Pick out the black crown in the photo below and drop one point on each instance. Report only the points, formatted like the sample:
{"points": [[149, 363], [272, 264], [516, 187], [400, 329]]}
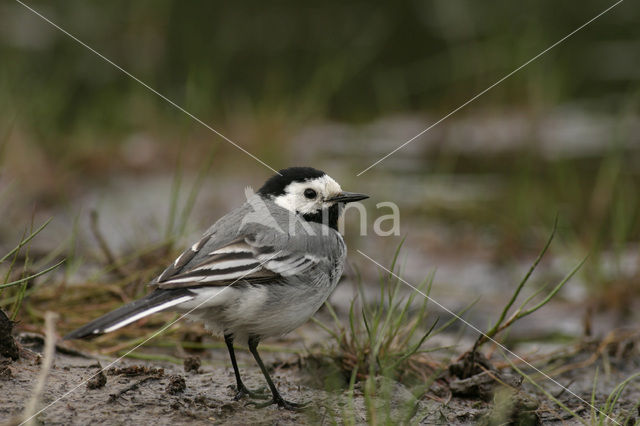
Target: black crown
{"points": [[276, 184]]}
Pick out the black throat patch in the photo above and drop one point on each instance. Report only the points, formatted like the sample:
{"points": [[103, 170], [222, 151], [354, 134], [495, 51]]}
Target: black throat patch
{"points": [[328, 216]]}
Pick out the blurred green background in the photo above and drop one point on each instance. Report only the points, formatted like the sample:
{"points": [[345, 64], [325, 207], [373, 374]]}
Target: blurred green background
{"points": [[347, 61], [338, 85]]}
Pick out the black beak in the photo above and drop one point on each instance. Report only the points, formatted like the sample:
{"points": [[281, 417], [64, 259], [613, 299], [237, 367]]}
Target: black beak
{"points": [[348, 197]]}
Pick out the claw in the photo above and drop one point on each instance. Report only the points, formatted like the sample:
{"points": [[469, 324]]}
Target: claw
{"points": [[244, 391], [281, 402]]}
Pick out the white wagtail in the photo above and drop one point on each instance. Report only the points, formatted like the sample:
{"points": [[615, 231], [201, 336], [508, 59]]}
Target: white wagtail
{"points": [[261, 270]]}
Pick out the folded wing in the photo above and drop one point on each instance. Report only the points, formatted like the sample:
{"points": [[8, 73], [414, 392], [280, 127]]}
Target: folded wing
{"points": [[243, 259]]}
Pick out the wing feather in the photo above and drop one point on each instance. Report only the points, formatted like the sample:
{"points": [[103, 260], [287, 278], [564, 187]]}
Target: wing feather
{"points": [[241, 259]]}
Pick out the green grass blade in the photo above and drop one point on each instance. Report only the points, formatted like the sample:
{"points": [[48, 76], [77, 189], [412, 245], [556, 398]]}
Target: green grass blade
{"points": [[175, 195], [516, 293], [195, 190], [30, 277], [26, 240], [455, 317], [553, 292]]}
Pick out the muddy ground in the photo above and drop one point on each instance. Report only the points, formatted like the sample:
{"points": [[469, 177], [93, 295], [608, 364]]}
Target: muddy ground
{"points": [[162, 393]]}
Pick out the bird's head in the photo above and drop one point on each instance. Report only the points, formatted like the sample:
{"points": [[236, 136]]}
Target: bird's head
{"points": [[311, 193]]}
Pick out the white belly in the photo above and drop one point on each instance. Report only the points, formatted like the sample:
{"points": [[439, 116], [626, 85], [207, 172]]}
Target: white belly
{"points": [[254, 310]]}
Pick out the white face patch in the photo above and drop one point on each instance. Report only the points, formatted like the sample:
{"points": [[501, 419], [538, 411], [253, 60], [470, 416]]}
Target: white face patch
{"points": [[294, 199]]}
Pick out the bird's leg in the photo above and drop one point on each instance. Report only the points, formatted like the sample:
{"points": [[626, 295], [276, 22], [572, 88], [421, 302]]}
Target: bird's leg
{"points": [[241, 389], [277, 398]]}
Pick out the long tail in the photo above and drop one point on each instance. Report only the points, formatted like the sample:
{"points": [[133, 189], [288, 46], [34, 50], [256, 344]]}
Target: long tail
{"points": [[156, 301]]}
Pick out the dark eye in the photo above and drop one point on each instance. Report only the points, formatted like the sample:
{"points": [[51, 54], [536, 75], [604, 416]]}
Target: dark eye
{"points": [[310, 193]]}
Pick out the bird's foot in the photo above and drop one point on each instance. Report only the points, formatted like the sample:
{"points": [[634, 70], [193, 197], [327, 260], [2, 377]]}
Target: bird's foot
{"points": [[242, 391], [281, 402]]}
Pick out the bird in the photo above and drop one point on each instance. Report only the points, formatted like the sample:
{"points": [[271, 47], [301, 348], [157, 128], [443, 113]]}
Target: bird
{"points": [[260, 271]]}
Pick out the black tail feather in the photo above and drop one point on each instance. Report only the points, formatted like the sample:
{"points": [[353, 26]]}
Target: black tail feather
{"points": [[156, 301]]}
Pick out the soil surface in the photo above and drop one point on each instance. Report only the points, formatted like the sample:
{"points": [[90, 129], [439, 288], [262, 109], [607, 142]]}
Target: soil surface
{"points": [[81, 389], [133, 392]]}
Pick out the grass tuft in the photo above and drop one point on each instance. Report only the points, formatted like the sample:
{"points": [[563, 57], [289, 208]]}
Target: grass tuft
{"points": [[386, 337]]}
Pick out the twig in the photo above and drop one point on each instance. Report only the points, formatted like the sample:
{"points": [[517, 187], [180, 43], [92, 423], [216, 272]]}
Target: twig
{"points": [[114, 396], [49, 352], [597, 353], [111, 260]]}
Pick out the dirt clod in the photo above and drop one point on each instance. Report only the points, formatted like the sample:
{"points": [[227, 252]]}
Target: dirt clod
{"points": [[482, 385], [512, 408], [97, 381], [471, 364], [176, 384], [5, 372], [192, 363], [8, 347]]}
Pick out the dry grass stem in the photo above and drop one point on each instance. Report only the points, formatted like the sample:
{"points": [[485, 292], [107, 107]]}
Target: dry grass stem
{"points": [[30, 411]]}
